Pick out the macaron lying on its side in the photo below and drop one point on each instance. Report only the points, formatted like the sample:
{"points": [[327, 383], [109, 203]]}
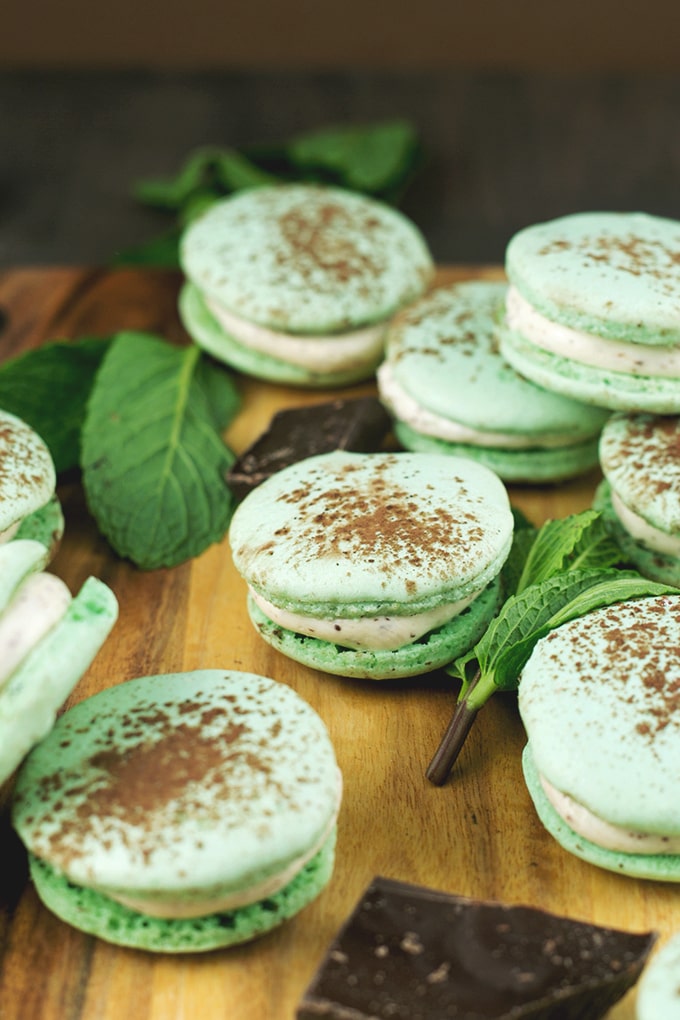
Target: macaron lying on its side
{"points": [[374, 565], [296, 283], [183, 812], [29, 507], [600, 702], [47, 640], [592, 310], [450, 391], [640, 495]]}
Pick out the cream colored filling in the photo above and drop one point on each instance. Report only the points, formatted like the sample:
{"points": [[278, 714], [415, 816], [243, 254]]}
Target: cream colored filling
{"points": [[37, 606], [316, 353], [408, 410], [643, 532], [10, 532], [375, 633], [604, 834], [588, 349], [170, 907]]}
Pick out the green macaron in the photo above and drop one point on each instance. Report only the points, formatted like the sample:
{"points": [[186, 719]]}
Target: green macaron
{"points": [[29, 506], [47, 640], [295, 283], [374, 565], [658, 993], [640, 495], [183, 812], [599, 702], [592, 310], [450, 390]]}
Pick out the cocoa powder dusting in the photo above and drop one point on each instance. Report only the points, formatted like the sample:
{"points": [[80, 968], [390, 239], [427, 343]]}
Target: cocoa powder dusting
{"points": [[169, 769], [380, 518]]}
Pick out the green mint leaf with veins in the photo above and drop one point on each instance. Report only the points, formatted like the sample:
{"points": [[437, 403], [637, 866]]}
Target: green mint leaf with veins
{"points": [[48, 388], [567, 573], [153, 460]]}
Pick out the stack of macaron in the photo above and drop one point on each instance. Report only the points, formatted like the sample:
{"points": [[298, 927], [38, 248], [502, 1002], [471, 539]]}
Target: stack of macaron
{"points": [[450, 391], [183, 812], [592, 309], [47, 640], [29, 506], [295, 283], [374, 565], [600, 701], [640, 495]]}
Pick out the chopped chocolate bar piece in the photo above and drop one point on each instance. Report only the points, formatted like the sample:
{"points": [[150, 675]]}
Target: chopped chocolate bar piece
{"points": [[409, 952], [359, 425]]}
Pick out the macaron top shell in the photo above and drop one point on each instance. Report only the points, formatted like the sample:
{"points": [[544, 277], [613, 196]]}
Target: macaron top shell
{"points": [[179, 784], [351, 534], [304, 258], [640, 458], [600, 702], [613, 274], [444, 352], [27, 474]]}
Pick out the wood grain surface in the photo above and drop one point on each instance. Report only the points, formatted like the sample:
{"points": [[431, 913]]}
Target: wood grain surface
{"points": [[477, 836]]}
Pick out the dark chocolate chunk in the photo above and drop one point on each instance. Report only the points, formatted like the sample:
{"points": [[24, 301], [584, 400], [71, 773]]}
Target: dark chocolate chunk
{"points": [[410, 952], [360, 424]]}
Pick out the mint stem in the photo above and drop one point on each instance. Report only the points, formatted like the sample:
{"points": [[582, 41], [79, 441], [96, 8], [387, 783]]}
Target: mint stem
{"points": [[451, 744]]}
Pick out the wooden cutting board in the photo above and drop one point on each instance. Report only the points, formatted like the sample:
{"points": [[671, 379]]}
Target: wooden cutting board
{"points": [[477, 836]]}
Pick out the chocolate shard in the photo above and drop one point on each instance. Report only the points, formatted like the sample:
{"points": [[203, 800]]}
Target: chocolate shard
{"points": [[408, 951], [360, 424]]}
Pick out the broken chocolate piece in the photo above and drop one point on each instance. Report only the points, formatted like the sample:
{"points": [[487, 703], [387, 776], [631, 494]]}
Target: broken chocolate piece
{"points": [[408, 951], [359, 425]]}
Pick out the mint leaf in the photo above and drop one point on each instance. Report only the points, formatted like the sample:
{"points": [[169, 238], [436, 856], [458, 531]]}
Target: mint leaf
{"points": [[209, 170], [161, 252], [555, 541], [153, 461], [48, 388], [503, 650], [568, 571], [366, 158]]}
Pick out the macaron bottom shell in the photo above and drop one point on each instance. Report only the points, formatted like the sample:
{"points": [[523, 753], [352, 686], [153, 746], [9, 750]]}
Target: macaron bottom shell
{"points": [[657, 867], [601, 387], [208, 334], [96, 914], [657, 566], [436, 649], [530, 466]]}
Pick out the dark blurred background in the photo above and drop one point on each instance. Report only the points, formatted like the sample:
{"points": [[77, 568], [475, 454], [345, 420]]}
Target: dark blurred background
{"points": [[525, 110]]}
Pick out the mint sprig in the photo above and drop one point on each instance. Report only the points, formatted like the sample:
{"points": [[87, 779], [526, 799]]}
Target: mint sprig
{"points": [[153, 461], [562, 571]]}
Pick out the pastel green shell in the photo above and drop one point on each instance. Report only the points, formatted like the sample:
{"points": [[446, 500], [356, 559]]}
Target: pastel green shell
{"points": [[27, 474], [303, 258], [598, 702], [614, 274], [184, 783], [352, 534]]}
